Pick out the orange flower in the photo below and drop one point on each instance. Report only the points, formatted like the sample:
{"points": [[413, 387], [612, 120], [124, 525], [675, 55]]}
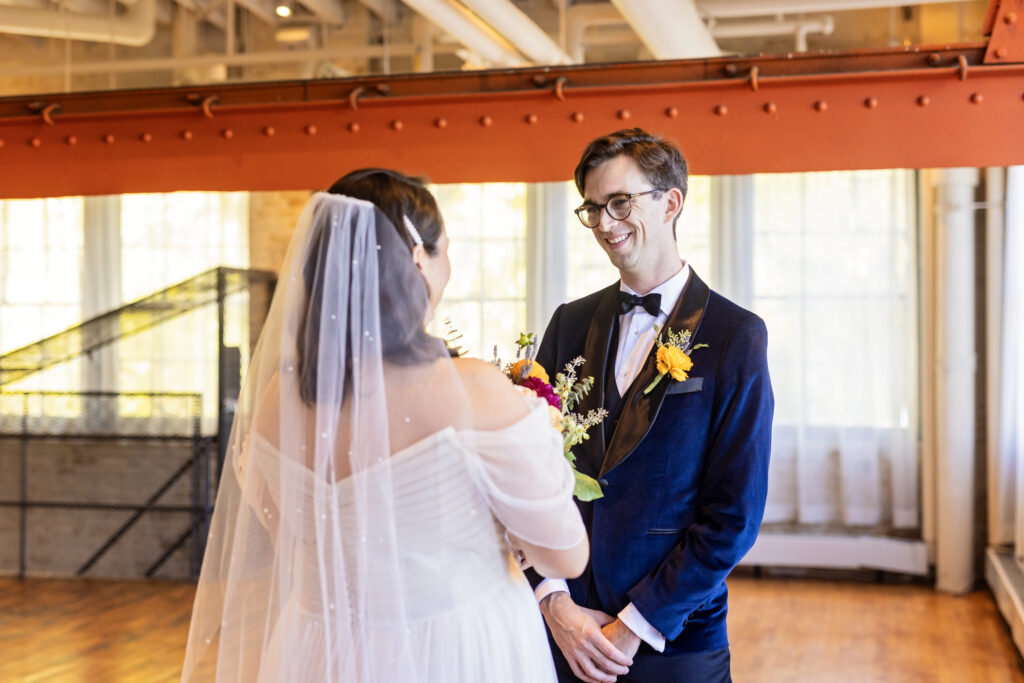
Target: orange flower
{"points": [[517, 374], [673, 361]]}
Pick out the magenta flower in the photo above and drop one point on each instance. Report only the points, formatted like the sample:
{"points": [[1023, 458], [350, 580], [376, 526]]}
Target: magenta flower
{"points": [[544, 390]]}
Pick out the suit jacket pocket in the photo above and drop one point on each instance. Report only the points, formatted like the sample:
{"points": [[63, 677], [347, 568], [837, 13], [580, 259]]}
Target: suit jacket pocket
{"points": [[688, 386], [664, 532]]}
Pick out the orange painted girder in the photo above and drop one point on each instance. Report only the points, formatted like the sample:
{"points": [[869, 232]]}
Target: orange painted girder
{"points": [[480, 127]]}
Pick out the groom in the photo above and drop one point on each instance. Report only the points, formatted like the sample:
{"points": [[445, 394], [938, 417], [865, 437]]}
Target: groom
{"points": [[684, 467]]}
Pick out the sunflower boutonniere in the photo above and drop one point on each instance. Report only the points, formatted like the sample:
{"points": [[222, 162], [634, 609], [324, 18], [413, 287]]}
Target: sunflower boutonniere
{"points": [[673, 356]]}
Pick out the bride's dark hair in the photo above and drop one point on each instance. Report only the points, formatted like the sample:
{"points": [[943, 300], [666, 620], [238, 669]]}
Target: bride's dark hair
{"points": [[403, 295]]}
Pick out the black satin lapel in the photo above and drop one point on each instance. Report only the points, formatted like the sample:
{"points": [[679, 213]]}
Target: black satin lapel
{"points": [[639, 411], [595, 351]]}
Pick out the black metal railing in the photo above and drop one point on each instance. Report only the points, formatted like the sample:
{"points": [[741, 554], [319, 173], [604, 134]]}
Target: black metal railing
{"points": [[91, 419]]}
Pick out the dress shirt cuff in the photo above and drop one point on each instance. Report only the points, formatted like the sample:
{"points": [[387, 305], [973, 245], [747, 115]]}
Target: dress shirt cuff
{"points": [[549, 586], [635, 622]]}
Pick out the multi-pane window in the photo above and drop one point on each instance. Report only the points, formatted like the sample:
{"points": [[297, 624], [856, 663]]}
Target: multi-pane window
{"points": [[486, 298], [166, 239], [40, 270]]}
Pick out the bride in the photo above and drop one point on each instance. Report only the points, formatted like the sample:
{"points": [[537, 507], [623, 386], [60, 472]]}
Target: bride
{"points": [[373, 484]]}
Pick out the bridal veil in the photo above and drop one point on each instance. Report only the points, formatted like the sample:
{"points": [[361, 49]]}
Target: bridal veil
{"points": [[343, 376]]}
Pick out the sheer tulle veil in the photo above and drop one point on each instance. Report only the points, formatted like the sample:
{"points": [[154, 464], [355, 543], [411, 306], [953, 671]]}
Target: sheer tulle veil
{"points": [[343, 377]]}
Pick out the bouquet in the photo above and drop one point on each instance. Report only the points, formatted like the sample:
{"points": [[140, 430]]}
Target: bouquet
{"points": [[563, 397]]}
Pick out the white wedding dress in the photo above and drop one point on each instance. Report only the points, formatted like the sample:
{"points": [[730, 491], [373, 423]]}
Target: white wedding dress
{"points": [[359, 529], [472, 614]]}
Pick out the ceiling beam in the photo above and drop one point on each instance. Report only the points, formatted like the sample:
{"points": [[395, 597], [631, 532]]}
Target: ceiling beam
{"points": [[891, 108]]}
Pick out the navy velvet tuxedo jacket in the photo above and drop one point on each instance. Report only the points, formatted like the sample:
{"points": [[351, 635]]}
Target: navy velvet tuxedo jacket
{"points": [[685, 469]]}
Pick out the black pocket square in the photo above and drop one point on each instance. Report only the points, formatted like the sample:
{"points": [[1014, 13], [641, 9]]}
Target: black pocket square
{"points": [[686, 386]]}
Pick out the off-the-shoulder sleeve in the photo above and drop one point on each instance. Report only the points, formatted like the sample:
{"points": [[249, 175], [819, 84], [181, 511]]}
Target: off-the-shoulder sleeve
{"points": [[528, 482]]}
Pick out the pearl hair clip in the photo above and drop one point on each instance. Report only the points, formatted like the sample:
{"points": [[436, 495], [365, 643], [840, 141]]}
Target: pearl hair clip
{"points": [[413, 232]]}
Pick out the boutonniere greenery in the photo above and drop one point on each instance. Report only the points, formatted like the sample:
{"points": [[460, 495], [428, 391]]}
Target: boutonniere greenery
{"points": [[673, 356]]}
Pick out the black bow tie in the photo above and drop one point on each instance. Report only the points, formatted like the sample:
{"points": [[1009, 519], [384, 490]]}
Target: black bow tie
{"points": [[650, 303]]}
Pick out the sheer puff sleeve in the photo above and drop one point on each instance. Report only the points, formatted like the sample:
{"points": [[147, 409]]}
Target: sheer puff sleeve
{"points": [[528, 483]]}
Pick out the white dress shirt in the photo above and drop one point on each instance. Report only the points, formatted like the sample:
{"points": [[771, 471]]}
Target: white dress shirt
{"points": [[636, 339]]}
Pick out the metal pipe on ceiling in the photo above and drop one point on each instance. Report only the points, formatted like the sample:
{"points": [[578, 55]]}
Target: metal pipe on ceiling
{"points": [[136, 27], [519, 29], [669, 30]]}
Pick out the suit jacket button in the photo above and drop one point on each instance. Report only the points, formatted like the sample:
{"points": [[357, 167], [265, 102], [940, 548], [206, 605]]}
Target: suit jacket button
{"points": [[603, 482]]}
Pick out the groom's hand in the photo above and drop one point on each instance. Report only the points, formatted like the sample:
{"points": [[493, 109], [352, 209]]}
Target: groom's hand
{"points": [[621, 637], [577, 632]]}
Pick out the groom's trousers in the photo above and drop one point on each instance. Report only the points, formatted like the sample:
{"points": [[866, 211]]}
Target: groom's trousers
{"points": [[653, 667]]}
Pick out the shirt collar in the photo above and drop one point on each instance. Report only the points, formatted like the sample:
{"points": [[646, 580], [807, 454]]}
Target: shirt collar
{"points": [[670, 290]]}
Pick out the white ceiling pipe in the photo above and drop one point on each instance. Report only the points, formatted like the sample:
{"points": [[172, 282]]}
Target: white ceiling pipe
{"points": [[519, 29], [579, 18], [753, 28], [136, 27], [469, 30], [724, 9], [670, 30], [326, 10], [205, 61]]}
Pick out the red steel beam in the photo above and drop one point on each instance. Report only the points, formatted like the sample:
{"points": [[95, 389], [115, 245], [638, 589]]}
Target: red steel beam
{"points": [[892, 108]]}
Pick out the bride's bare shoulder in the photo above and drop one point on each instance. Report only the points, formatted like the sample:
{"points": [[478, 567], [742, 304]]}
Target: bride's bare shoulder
{"points": [[496, 403]]}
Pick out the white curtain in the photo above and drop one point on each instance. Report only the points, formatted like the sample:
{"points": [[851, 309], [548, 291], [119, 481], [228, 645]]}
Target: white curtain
{"points": [[835, 279]]}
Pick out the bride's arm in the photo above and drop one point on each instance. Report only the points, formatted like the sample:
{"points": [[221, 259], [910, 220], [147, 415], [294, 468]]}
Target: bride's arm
{"points": [[523, 478]]}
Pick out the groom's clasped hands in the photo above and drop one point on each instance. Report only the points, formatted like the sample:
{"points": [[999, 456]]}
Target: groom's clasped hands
{"points": [[597, 646]]}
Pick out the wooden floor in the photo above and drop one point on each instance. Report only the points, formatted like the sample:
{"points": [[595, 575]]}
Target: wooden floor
{"points": [[781, 630]]}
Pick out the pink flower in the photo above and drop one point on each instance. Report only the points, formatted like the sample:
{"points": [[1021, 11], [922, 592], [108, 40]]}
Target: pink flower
{"points": [[544, 391]]}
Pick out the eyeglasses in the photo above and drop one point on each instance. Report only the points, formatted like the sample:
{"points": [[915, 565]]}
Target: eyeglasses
{"points": [[618, 207]]}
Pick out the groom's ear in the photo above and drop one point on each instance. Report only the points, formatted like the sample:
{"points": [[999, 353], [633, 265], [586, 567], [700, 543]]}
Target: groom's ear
{"points": [[673, 204]]}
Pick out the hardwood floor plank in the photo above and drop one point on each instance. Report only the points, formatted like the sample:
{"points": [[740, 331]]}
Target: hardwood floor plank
{"points": [[781, 630]]}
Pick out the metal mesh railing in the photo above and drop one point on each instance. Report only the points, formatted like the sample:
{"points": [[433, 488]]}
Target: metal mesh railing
{"points": [[200, 290], [94, 468]]}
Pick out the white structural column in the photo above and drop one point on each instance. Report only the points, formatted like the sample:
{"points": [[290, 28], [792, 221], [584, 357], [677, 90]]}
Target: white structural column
{"points": [[1002, 472], [547, 206], [956, 370], [101, 283]]}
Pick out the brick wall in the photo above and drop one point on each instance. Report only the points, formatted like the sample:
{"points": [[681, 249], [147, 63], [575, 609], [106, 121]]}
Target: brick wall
{"points": [[126, 472]]}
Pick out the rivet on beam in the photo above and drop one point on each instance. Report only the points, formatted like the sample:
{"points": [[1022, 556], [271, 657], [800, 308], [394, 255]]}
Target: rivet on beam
{"points": [[1, 143], [671, 112], [934, 59], [36, 142], [146, 137], [109, 138], [1010, 18], [624, 114], [227, 133], [531, 119], [820, 106], [976, 98], [577, 117], [71, 141], [770, 108], [353, 127], [397, 125], [730, 69], [310, 129], [923, 101], [269, 131], [486, 121], [1001, 53], [871, 103], [441, 122], [186, 134], [721, 110]]}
